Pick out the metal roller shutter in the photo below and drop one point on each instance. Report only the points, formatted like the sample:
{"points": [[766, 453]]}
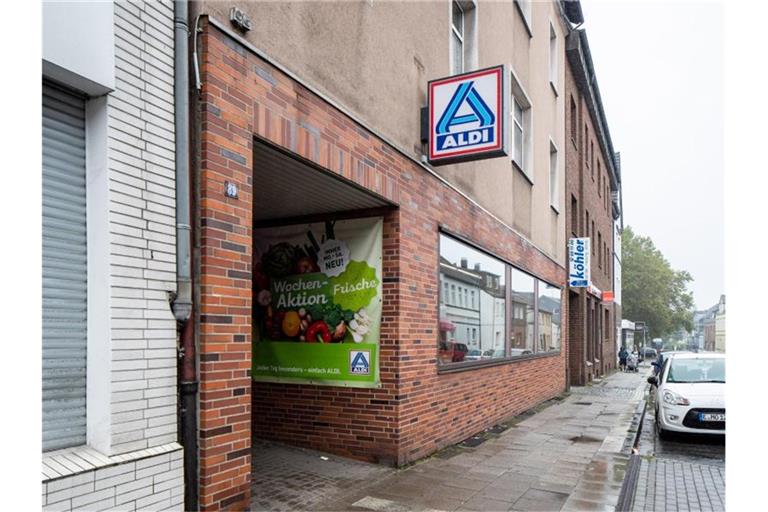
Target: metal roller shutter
{"points": [[64, 269]]}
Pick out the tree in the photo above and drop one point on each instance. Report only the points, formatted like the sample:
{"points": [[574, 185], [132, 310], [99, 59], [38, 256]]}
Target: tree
{"points": [[652, 291]]}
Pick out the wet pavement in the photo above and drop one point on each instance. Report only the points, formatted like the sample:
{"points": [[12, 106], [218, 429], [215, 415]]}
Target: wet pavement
{"points": [[685, 472], [571, 454], [291, 478]]}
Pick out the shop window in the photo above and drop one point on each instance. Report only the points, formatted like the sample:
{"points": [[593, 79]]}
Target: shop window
{"points": [[549, 307], [523, 296], [469, 334], [480, 334]]}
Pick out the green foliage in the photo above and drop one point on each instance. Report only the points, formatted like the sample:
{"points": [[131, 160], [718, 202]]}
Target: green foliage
{"points": [[652, 291]]}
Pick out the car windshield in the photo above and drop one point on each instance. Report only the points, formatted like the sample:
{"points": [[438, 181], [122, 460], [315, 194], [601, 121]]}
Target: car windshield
{"points": [[696, 370]]}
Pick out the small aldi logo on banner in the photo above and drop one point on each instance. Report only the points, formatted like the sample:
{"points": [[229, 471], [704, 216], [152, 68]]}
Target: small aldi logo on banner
{"points": [[578, 263], [359, 362], [467, 116]]}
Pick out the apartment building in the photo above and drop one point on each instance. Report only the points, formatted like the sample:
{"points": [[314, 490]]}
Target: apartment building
{"points": [[310, 148], [594, 207], [109, 434]]}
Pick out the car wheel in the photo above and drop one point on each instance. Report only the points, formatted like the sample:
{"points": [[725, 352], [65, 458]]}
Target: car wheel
{"points": [[663, 434]]}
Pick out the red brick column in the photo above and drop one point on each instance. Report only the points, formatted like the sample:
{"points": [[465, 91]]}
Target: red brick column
{"points": [[225, 296]]}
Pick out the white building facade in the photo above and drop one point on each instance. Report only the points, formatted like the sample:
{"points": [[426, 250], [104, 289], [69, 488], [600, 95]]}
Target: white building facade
{"points": [[109, 249]]}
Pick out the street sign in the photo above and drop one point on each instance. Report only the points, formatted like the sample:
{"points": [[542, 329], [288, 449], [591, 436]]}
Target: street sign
{"points": [[578, 263], [468, 116]]}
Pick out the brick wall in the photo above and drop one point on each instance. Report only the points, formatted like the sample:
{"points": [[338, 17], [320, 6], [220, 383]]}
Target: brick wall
{"points": [[583, 183], [417, 410]]}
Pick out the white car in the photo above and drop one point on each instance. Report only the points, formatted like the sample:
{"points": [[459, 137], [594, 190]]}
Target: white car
{"points": [[690, 394]]}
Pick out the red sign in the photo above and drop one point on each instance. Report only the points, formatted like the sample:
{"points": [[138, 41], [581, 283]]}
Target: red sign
{"points": [[607, 296]]}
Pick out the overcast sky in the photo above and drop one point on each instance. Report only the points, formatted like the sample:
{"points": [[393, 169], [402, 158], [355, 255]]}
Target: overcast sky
{"points": [[659, 66]]}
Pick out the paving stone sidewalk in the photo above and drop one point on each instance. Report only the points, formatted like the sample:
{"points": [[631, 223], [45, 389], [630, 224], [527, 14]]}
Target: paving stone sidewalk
{"points": [[675, 485], [569, 456]]}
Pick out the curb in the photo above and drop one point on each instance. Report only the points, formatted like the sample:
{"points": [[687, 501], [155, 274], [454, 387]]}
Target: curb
{"points": [[629, 486]]}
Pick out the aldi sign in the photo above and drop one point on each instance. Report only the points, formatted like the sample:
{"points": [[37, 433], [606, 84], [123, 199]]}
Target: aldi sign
{"points": [[468, 116], [578, 263]]}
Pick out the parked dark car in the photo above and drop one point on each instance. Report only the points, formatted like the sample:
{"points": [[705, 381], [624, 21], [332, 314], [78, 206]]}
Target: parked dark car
{"points": [[648, 353]]}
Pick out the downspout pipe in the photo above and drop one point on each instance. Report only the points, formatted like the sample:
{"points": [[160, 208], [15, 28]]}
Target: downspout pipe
{"points": [[182, 303]]}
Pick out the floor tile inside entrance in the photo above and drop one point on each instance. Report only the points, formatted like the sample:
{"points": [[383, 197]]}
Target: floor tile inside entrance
{"points": [[290, 478]]}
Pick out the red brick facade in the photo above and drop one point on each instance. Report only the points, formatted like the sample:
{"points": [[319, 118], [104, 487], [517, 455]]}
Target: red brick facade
{"points": [[592, 324], [417, 410]]}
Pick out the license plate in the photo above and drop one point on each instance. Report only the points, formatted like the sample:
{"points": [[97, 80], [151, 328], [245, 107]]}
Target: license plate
{"points": [[704, 416]]}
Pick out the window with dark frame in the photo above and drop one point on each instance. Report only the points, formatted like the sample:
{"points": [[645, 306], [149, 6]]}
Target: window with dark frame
{"points": [[574, 124], [481, 331], [574, 216], [600, 249], [586, 145]]}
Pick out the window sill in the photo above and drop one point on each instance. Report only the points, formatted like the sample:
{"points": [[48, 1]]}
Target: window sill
{"points": [[555, 209], [575, 145], [554, 88], [527, 177], [475, 365], [81, 459]]}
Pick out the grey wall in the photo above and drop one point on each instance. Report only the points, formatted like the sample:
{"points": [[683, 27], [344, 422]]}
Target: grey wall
{"points": [[375, 58]]}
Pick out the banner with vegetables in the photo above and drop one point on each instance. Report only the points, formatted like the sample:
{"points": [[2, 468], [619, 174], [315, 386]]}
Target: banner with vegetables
{"points": [[317, 308]]}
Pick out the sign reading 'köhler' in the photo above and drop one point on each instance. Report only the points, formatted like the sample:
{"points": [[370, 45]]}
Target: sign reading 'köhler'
{"points": [[468, 116], [578, 263]]}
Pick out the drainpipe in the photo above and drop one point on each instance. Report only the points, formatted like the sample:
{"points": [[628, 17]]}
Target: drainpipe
{"points": [[182, 304]]}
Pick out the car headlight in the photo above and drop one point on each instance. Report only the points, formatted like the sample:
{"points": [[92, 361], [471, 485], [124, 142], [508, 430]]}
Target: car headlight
{"points": [[673, 398]]}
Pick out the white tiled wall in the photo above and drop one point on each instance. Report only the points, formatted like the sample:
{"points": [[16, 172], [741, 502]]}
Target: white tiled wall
{"points": [[142, 228], [136, 429], [150, 483]]}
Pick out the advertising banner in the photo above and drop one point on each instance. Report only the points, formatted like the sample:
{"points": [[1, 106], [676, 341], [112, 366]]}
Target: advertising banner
{"points": [[578, 263], [468, 116], [317, 309]]}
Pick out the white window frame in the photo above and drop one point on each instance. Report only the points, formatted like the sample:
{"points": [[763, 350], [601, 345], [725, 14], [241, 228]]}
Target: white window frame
{"points": [[467, 35], [524, 6], [459, 34], [553, 59], [520, 96], [554, 176]]}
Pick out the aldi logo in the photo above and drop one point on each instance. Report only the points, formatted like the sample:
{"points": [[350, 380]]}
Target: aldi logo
{"points": [[467, 116], [359, 362]]}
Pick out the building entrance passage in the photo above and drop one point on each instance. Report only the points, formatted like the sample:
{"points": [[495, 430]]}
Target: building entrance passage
{"points": [[317, 297]]}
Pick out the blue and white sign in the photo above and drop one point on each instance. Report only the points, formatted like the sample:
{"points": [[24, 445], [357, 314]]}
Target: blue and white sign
{"points": [[578, 263], [359, 362], [467, 116]]}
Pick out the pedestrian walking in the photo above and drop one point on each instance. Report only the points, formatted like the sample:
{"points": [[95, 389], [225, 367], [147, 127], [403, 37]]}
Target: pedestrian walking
{"points": [[623, 358]]}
